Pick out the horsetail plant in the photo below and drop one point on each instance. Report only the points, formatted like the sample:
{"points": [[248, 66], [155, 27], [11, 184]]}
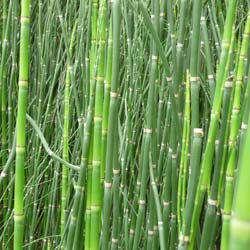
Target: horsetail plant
{"points": [[21, 124], [137, 124]]}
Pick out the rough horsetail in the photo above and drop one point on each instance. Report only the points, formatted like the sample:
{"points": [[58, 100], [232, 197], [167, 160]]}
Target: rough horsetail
{"points": [[125, 124]]}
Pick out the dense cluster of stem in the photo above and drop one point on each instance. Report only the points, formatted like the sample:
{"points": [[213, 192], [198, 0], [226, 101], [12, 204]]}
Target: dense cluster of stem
{"points": [[124, 124]]}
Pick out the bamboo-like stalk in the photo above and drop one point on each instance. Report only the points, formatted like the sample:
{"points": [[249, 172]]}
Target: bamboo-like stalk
{"points": [[193, 181], [235, 126], [183, 162], [113, 111], [87, 242], [158, 208], [180, 52], [97, 143], [152, 218], [239, 223], [106, 102], [92, 82], [21, 125], [115, 192], [66, 123], [209, 62], [194, 76]]}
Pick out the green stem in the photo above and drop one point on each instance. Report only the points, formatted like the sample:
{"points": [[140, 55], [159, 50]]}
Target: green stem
{"points": [[21, 125]]}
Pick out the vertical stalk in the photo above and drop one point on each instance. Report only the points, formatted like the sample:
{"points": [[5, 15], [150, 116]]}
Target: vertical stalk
{"points": [[113, 115], [65, 170], [21, 125], [194, 76], [97, 143], [183, 162], [239, 224], [193, 181]]}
